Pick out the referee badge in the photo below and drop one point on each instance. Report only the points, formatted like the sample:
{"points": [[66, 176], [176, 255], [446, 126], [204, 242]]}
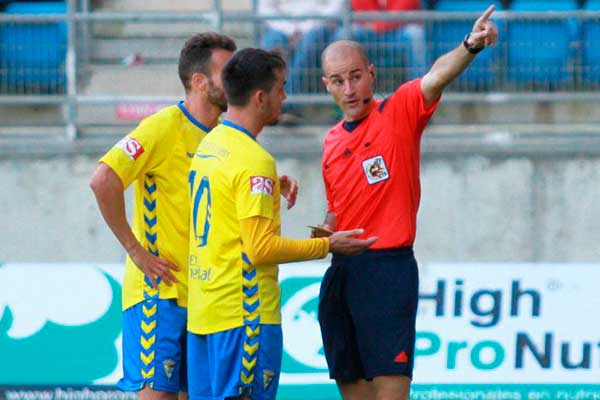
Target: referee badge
{"points": [[375, 169]]}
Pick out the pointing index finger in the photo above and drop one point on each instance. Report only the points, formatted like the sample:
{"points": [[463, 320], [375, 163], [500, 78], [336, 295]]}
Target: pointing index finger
{"points": [[486, 15]]}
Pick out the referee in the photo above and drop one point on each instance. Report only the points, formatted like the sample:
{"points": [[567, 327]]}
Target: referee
{"points": [[368, 302]]}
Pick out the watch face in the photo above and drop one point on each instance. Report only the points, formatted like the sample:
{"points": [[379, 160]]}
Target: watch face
{"points": [[469, 47]]}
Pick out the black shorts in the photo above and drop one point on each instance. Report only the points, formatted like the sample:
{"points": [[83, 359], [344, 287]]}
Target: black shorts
{"points": [[367, 313]]}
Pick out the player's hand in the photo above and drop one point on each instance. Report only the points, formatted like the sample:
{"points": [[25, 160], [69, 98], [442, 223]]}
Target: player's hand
{"points": [[344, 242], [289, 189], [485, 32], [154, 267]]}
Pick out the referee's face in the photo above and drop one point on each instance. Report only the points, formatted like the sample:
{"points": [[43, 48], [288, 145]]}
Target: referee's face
{"points": [[349, 79]]}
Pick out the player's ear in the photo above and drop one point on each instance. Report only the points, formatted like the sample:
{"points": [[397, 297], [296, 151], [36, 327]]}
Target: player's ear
{"points": [[199, 81], [371, 69], [259, 97]]}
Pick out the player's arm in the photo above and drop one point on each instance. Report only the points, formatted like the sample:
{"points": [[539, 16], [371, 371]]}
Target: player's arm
{"points": [[109, 192], [264, 246], [450, 65], [289, 189]]}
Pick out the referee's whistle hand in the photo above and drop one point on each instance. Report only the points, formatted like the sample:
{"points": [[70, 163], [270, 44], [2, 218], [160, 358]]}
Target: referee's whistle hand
{"points": [[344, 242]]}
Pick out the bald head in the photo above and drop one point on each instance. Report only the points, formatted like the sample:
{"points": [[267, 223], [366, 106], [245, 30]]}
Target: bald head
{"points": [[343, 50], [349, 78]]}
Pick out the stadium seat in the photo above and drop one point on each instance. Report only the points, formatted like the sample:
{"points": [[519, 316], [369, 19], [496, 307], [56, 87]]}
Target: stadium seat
{"points": [[446, 35], [32, 55], [590, 32], [539, 51]]}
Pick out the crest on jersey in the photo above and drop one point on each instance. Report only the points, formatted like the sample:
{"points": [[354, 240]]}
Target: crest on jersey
{"points": [[261, 185], [169, 366], [267, 378], [131, 147], [375, 169]]}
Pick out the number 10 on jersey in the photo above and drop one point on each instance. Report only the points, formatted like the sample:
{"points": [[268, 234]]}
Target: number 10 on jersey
{"points": [[200, 208]]}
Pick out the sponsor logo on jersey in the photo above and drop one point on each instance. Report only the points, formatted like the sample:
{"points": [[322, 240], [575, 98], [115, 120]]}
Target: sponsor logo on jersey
{"points": [[375, 169], [261, 185], [131, 147]]}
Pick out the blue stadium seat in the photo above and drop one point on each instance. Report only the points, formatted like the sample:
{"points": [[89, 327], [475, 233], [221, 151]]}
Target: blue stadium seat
{"points": [[590, 32], [33, 55], [539, 51], [446, 35]]}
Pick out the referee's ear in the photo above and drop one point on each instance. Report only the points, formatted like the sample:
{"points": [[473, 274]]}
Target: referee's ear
{"points": [[371, 69], [325, 82]]}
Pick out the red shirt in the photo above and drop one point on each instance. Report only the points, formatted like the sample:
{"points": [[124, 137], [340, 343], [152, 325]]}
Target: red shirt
{"points": [[385, 5], [371, 168]]}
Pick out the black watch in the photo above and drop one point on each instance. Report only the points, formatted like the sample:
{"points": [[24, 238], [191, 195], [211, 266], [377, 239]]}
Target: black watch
{"points": [[470, 48]]}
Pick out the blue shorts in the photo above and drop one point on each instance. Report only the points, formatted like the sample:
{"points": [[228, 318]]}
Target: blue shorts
{"points": [[235, 362], [154, 338], [367, 313]]}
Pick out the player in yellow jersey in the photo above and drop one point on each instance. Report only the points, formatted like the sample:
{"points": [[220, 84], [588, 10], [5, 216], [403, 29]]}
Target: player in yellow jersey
{"points": [[156, 157], [234, 320]]}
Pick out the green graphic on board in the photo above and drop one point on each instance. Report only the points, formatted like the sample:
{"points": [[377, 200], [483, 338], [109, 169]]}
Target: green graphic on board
{"points": [[303, 348], [62, 354]]}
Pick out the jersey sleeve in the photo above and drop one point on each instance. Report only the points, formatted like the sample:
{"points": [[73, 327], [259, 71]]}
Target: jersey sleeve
{"points": [[264, 246], [408, 103], [327, 185], [256, 186], [138, 153]]}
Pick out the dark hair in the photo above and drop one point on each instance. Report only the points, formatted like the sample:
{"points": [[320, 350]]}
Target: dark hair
{"points": [[196, 53], [250, 70]]}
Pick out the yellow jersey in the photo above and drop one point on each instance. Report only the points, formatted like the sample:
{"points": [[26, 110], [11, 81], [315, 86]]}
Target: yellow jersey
{"points": [[156, 158], [232, 178]]}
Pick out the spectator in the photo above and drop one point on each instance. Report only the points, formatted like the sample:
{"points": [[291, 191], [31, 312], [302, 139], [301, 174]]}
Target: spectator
{"points": [[387, 42], [300, 41]]}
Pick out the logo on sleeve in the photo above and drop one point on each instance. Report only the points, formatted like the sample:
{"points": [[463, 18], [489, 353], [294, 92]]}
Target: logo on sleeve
{"points": [[131, 147], [375, 170], [261, 185]]}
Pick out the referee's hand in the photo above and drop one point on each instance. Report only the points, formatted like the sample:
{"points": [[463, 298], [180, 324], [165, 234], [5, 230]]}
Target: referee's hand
{"points": [[344, 242], [485, 32], [154, 267]]}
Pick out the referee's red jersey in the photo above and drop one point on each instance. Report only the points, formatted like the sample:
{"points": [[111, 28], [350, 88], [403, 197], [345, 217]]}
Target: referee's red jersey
{"points": [[371, 168]]}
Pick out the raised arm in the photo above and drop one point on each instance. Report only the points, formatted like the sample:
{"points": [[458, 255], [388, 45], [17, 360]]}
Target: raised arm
{"points": [[450, 65]]}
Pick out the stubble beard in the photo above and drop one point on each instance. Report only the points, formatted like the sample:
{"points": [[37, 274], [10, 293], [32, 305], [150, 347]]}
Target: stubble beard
{"points": [[216, 97]]}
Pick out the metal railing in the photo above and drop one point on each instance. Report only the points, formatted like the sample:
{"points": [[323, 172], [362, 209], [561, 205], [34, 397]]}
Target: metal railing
{"points": [[492, 82]]}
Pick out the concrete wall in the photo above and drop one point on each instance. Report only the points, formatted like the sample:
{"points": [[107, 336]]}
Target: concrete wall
{"points": [[474, 208]]}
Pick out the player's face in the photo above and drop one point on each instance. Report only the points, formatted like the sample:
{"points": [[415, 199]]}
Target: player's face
{"points": [[216, 94], [350, 80], [275, 98]]}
